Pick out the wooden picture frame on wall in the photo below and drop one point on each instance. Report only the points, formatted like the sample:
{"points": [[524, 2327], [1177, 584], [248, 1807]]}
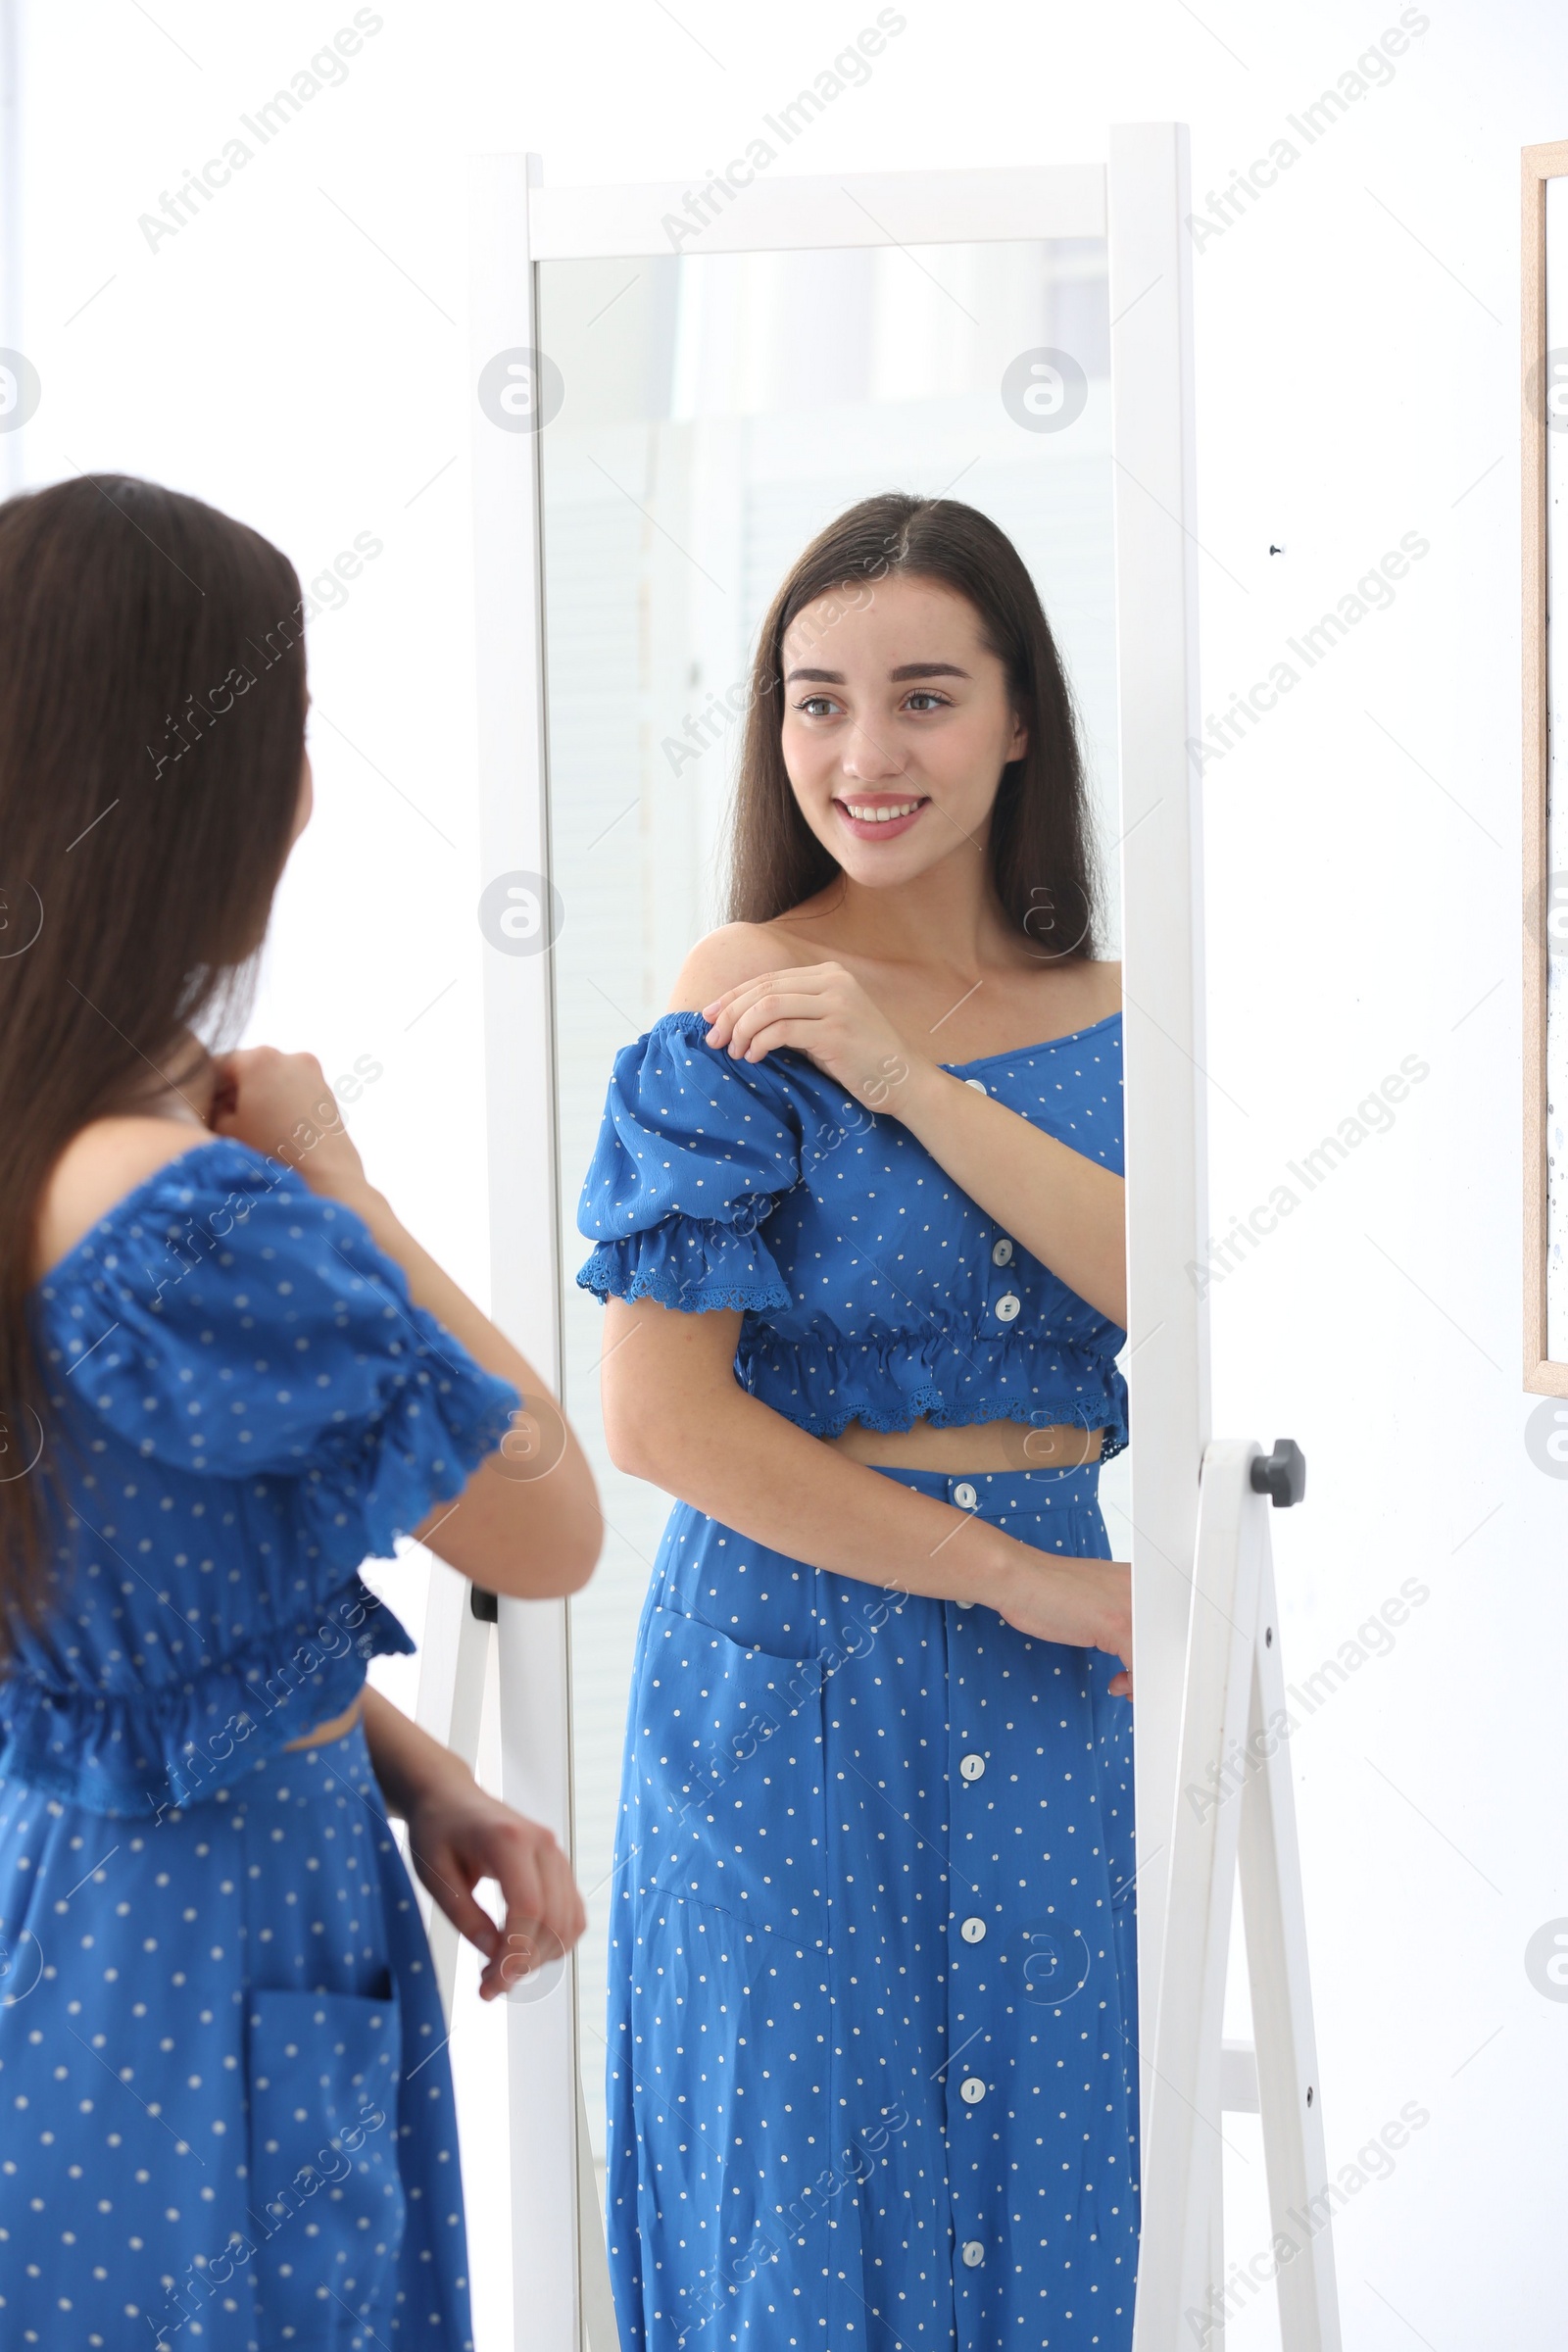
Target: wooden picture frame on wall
{"points": [[1546, 1372]]}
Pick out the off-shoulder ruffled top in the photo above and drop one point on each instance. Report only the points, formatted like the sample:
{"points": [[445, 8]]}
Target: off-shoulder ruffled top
{"points": [[248, 1404], [872, 1287]]}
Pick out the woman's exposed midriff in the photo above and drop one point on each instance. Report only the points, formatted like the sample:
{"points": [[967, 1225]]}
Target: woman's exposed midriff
{"points": [[326, 1733], [979, 1446]]}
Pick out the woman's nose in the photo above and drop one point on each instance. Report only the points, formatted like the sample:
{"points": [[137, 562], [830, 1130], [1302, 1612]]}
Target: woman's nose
{"points": [[866, 759]]}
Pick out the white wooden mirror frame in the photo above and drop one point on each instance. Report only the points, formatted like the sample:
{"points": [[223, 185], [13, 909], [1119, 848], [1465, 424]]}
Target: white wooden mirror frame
{"points": [[1137, 201]]}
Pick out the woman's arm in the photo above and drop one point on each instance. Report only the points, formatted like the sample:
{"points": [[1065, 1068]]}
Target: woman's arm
{"points": [[528, 1522], [459, 1835], [1068, 1211], [674, 1415]]}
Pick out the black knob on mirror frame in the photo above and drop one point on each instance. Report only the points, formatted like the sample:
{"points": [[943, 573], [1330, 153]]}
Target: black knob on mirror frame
{"points": [[1281, 1475], [486, 1606]]}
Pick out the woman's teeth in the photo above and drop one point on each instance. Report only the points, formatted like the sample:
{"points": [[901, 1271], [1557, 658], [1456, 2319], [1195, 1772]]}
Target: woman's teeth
{"points": [[880, 816]]}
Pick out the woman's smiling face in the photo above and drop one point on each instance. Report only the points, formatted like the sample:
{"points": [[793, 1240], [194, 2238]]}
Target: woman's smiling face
{"points": [[898, 722]]}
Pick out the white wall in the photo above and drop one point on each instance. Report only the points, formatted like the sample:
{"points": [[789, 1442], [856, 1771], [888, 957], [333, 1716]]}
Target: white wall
{"points": [[295, 353]]}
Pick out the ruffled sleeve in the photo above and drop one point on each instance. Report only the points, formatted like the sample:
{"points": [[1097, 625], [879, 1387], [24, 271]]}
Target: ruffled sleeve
{"points": [[228, 1320], [695, 1151]]}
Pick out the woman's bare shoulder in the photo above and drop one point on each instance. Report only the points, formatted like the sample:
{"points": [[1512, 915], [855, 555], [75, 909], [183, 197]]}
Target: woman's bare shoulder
{"points": [[103, 1162], [731, 956]]}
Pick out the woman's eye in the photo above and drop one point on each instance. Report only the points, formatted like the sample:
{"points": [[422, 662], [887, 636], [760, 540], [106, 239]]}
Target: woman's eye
{"points": [[815, 705], [922, 700]]}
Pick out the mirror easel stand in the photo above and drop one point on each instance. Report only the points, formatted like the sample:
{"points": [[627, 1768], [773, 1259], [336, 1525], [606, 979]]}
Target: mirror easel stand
{"points": [[1235, 1815]]}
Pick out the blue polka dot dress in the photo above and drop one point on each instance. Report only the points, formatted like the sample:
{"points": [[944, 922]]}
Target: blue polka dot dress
{"points": [[226, 2109], [873, 1995]]}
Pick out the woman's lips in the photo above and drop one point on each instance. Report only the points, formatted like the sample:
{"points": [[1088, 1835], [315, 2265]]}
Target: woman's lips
{"points": [[878, 828]]}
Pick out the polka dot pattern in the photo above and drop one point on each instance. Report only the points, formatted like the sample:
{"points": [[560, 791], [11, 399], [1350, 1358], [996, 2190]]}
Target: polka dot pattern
{"points": [[873, 1972], [213, 1973], [873, 1289], [226, 2112]]}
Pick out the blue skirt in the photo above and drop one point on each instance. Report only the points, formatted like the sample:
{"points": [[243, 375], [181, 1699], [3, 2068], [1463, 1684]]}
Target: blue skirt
{"points": [[227, 2116], [872, 2075]]}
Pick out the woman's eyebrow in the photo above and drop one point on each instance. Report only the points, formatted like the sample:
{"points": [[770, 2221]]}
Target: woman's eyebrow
{"points": [[896, 677]]}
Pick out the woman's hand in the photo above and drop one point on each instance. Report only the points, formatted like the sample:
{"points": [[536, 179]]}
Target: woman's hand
{"points": [[281, 1103], [459, 1835], [823, 1011], [1085, 1603]]}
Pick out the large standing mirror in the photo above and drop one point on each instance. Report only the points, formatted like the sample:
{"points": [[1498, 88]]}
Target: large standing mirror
{"points": [[664, 423]]}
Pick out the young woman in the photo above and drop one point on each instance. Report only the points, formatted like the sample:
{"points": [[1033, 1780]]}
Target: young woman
{"points": [[860, 1214], [226, 1375]]}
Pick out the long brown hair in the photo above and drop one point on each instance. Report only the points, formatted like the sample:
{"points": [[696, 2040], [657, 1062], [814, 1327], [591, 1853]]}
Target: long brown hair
{"points": [[152, 731], [1039, 845]]}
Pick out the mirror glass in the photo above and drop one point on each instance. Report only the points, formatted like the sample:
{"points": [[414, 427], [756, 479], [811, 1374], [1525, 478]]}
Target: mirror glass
{"points": [[715, 412]]}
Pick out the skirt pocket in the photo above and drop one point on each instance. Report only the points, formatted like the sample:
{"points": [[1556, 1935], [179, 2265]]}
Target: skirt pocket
{"points": [[725, 1785], [324, 2183]]}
